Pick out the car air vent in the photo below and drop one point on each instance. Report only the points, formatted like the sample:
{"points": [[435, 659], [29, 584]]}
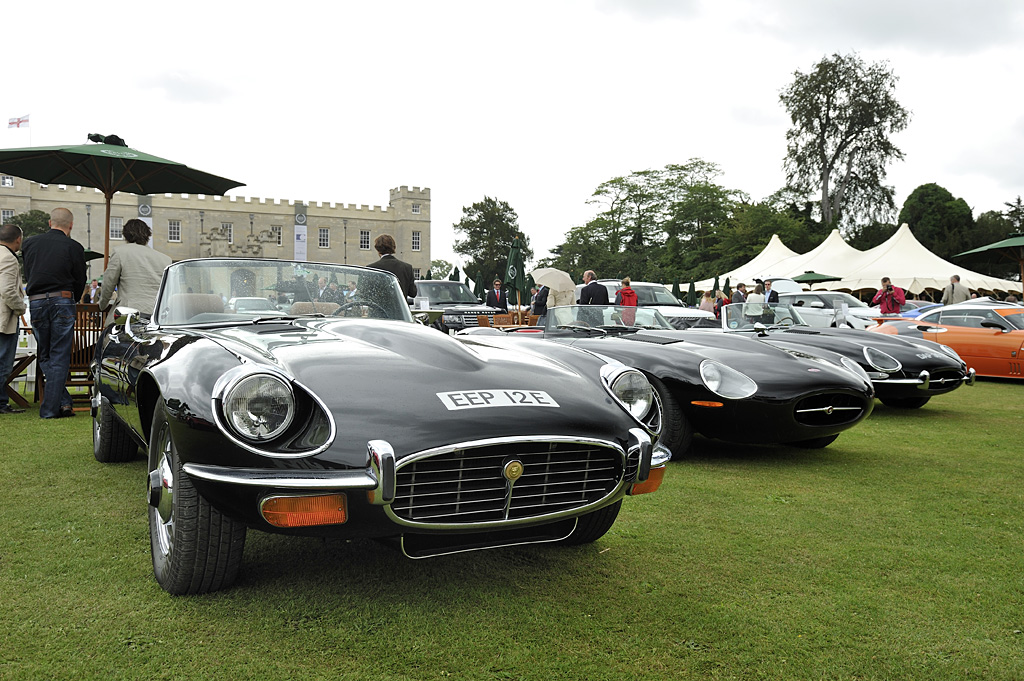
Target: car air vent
{"points": [[472, 485], [645, 337], [829, 409]]}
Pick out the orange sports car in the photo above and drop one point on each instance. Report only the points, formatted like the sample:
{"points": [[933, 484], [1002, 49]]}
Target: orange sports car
{"points": [[987, 334]]}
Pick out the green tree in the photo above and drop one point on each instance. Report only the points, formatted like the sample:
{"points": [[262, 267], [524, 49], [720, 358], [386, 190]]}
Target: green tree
{"points": [[1015, 214], [863, 237], [33, 222], [843, 113], [489, 227], [440, 269], [943, 224]]}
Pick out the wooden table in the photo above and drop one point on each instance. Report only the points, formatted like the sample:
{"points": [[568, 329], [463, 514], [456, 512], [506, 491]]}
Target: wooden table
{"points": [[21, 365]]}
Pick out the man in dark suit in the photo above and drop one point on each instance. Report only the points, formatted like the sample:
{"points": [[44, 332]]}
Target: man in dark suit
{"points": [[770, 296], [593, 293], [539, 304], [386, 247], [497, 298]]}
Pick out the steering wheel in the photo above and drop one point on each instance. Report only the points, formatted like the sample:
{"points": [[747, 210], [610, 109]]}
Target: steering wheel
{"points": [[367, 303], [785, 319]]}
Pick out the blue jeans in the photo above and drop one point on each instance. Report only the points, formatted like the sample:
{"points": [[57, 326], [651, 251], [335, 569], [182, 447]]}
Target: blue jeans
{"points": [[53, 322], [8, 347]]}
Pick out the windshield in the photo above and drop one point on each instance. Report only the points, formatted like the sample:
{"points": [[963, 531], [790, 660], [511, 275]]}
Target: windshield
{"points": [[837, 298], [1015, 318], [607, 317], [233, 290], [746, 315], [446, 292], [654, 295]]}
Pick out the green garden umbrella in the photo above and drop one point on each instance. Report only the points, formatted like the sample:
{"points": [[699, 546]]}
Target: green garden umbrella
{"points": [[480, 287], [809, 277], [1009, 250], [691, 295], [428, 276], [514, 275], [454, 276], [675, 290], [727, 290], [714, 291], [110, 166]]}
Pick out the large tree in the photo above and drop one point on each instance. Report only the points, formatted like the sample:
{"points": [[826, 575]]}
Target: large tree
{"points": [[32, 222], [943, 224], [843, 113], [489, 227]]}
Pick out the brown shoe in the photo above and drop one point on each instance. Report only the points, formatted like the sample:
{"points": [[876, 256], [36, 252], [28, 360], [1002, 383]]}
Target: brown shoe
{"points": [[66, 412]]}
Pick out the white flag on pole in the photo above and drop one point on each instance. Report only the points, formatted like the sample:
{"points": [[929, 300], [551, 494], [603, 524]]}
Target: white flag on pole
{"points": [[21, 122]]}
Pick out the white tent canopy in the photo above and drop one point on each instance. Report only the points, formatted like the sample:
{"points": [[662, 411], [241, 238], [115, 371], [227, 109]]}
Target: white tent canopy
{"points": [[902, 258]]}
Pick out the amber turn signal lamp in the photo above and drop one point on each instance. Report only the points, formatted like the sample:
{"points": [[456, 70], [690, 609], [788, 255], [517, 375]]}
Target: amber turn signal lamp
{"points": [[651, 484], [705, 403], [303, 511]]}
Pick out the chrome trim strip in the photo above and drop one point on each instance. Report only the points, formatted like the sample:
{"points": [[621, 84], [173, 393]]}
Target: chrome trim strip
{"points": [[485, 548], [285, 479], [490, 442], [828, 410], [971, 375]]}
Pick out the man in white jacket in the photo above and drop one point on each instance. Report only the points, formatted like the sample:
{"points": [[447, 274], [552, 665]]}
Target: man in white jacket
{"points": [[955, 292], [134, 270], [12, 306]]}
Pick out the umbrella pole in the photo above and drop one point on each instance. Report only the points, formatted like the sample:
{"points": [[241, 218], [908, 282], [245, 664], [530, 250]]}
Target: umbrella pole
{"points": [[106, 234]]}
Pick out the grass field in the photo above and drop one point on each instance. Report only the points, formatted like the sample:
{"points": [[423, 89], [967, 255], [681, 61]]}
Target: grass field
{"points": [[895, 553]]}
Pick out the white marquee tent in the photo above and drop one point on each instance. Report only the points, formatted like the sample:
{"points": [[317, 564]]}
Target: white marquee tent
{"points": [[902, 258]]}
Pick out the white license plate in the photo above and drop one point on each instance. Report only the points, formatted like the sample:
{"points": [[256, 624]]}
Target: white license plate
{"points": [[480, 399]]}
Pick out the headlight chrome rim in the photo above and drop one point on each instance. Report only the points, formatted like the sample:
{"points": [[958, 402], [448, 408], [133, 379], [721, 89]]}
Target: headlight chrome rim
{"points": [[855, 368], [250, 393], [882, 361], [634, 392]]}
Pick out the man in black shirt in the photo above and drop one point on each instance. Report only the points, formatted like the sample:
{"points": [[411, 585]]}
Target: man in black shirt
{"points": [[385, 246], [55, 272]]}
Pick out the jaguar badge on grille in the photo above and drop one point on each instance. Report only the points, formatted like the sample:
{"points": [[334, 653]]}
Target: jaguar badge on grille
{"points": [[513, 470]]}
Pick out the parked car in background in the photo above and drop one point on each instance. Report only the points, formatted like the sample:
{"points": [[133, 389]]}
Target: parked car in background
{"points": [[354, 421], [461, 307], [987, 334], [735, 389], [825, 309], [656, 296], [906, 373], [250, 304], [912, 308]]}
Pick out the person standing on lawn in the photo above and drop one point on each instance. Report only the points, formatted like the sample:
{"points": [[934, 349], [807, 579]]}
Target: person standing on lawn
{"points": [[12, 306], [55, 272]]}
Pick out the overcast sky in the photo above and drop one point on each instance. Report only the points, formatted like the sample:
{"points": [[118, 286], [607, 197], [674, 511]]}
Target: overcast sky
{"points": [[534, 103]]}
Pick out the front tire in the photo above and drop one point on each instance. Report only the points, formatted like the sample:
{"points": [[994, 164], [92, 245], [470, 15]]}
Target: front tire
{"points": [[676, 430], [904, 402], [111, 441], [196, 549], [593, 526]]}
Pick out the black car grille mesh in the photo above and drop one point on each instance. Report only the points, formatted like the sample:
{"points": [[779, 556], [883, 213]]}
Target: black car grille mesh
{"points": [[468, 485], [829, 409]]}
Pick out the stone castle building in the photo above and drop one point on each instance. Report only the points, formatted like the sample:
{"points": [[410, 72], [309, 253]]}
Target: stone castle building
{"points": [[197, 226]]}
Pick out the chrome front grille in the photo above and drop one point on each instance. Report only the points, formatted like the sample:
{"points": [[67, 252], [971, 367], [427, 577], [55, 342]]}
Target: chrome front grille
{"points": [[467, 486], [944, 379], [471, 319], [829, 409]]}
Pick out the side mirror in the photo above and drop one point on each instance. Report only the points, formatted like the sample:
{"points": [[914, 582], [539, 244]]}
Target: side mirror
{"points": [[995, 325], [817, 304]]}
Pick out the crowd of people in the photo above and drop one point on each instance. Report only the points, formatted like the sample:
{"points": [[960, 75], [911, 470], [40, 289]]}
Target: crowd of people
{"points": [[55, 276]]}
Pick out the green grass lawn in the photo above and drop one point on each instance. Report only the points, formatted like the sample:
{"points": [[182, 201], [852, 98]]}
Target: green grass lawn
{"points": [[895, 553]]}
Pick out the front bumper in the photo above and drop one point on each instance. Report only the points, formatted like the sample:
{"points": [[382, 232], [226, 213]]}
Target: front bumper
{"points": [[923, 381]]}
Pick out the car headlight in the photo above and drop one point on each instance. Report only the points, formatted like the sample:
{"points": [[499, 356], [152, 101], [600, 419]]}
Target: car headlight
{"points": [[882, 361], [634, 391], [726, 381], [951, 352], [855, 368], [259, 407]]}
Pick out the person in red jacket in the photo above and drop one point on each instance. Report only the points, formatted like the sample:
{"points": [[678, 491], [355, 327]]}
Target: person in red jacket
{"points": [[626, 297], [890, 299]]}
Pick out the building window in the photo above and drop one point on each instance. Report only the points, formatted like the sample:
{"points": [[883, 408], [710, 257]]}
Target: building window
{"points": [[324, 238], [277, 232], [364, 239], [415, 272], [230, 229], [6, 181], [5, 216], [415, 209], [115, 229], [174, 230], [415, 241]]}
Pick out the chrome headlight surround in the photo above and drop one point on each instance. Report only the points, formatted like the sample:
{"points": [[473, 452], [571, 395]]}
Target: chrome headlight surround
{"points": [[725, 381], [882, 361], [855, 368], [632, 390], [952, 353]]}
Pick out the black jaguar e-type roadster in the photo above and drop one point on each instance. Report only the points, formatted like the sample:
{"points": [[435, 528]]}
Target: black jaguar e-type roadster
{"points": [[345, 418]]}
